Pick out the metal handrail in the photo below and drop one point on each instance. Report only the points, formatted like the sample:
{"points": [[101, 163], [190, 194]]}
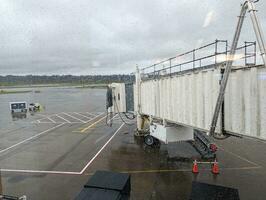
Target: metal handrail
{"points": [[194, 60]]}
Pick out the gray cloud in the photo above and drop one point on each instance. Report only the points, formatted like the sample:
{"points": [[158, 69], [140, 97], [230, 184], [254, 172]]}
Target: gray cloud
{"points": [[109, 36]]}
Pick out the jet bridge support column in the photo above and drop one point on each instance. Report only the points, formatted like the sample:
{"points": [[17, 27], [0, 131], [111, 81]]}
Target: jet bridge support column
{"points": [[257, 29], [138, 100], [247, 6]]}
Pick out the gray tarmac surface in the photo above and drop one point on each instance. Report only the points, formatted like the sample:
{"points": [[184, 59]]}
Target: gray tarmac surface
{"points": [[50, 155]]}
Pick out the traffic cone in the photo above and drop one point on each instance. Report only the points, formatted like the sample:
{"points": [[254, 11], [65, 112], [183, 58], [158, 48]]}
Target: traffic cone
{"points": [[215, 167], [195, 168]]}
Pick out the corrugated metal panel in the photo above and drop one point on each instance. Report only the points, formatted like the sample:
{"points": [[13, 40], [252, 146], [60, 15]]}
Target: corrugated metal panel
{"points": [[182, 99], [245, 102], [190, 99]]}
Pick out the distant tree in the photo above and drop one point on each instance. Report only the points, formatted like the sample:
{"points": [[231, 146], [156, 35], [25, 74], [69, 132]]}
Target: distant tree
{"points": [[12, 80]]}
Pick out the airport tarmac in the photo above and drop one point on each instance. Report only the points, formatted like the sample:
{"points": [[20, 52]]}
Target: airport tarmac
{"points": [[51, 154]]}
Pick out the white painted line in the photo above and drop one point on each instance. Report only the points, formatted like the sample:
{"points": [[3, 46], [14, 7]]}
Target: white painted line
{"points": [[73, 117], [62, 118], [82, 115], [238, 156], [92, 114], [93, 118], [39, 171], [131, 172], [30, 138], [88, 164], [51, 119], [114, 117], [64, 172], [41, 115], [57, 122], [45, 117]]}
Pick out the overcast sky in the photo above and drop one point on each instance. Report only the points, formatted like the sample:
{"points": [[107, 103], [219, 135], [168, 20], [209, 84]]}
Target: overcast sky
{"points": [[110, 36]]}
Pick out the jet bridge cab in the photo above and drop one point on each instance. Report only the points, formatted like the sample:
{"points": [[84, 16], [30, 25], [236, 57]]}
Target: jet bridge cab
{"points": [[18, 107]]}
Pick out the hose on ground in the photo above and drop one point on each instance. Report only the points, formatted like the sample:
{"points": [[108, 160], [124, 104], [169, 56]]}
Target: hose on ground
{"points": [[129, 124]]}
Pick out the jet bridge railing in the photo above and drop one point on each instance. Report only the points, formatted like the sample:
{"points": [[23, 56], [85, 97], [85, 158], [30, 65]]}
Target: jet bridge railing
{"points": [[202, 57]]}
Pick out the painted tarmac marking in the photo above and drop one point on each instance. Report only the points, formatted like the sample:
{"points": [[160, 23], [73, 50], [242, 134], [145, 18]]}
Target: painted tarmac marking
{"points": [[92, 114], [39, 171], [186, 170], [41, 115], [73, 117], [90, 126], [240, 157], [94, 157], [56, 122], [84, 129], [82, 115], [90, 118], [129, 172], [242, 168], [63, 118], [80, 129], [30, 138], [65, 172], [46, 116], [93, 118], [51, 119]]}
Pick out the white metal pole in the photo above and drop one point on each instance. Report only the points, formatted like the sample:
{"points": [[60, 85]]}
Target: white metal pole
{"points": [[138, 99], [257, 29]]}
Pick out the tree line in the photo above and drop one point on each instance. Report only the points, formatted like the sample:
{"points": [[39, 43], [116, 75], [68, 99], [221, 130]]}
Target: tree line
{"points": [[11, 80]]}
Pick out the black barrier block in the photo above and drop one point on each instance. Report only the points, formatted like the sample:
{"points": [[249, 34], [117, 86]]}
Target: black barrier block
{"points": [[204, 191], [110, 181]]}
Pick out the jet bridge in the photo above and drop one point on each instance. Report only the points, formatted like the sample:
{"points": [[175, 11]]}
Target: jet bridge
{"points": [[189, 98], [206, 92]]}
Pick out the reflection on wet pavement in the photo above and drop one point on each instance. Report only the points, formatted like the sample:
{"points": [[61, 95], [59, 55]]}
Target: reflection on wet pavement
{"points": [[48, 156]]}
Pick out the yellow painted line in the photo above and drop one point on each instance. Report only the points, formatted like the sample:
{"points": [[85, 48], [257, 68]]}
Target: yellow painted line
{"points": [[93, 124], [242, 168], [156, 171], [187, 170]]}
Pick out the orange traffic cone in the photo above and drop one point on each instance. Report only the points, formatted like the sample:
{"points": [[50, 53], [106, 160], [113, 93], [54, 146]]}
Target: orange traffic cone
{"points": [[195, 168], [215, 167]]}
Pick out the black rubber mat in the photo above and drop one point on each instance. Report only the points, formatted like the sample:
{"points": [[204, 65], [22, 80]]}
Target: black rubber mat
{"points": [[111, 181], [204, 191], [105, 185], [98, 194]]}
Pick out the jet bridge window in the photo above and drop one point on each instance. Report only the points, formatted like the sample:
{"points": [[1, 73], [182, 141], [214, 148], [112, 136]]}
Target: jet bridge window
{"points": [[22, 105], [14, 106]]}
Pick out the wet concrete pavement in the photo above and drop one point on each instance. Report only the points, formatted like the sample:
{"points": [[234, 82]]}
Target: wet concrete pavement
{"points": [[55, 164]]}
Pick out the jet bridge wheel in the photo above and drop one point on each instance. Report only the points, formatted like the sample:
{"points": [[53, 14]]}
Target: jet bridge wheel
{"points": [[149, 140]]}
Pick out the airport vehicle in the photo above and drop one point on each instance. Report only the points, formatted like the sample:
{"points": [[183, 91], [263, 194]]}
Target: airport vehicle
{"points": [[18, 107], [33, 107]]}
